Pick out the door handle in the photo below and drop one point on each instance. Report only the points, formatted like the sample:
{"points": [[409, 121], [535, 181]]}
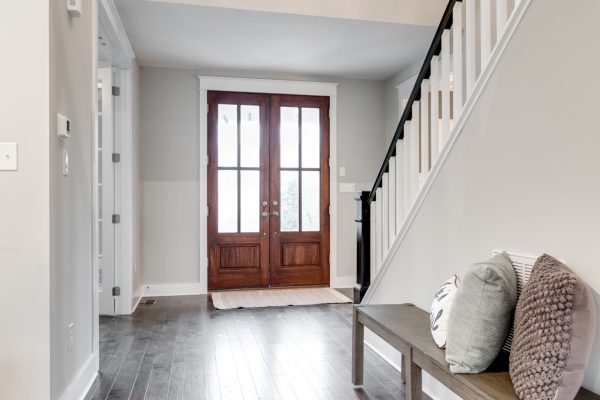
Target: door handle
{"points": [[275, 214], [264, 214]]}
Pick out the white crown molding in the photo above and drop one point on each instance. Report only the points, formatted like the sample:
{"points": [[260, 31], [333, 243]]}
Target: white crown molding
{"points": [[108, 18]]}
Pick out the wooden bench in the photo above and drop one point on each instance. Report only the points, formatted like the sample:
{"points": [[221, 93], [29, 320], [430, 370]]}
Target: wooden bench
{"points": [[407, 329]]}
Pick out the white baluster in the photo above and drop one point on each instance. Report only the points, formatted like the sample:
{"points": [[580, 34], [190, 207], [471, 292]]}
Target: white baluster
{"points": [[392, 201], [434, 82], [501, 17], [425, 148], [486, 31], [399, 184], [457, 60], [445, 83], [470, 46], [385, 214], [415, 154], [407, 167]]}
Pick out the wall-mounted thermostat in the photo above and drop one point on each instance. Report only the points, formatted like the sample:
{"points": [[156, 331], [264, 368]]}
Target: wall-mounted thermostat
{"points": [[74, 8], [63, 127]]}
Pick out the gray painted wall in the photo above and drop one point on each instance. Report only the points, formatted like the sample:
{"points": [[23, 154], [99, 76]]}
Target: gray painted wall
{"points": [[24, 212], [46, 230], [170, 167], [524, 174], [72, 72]]}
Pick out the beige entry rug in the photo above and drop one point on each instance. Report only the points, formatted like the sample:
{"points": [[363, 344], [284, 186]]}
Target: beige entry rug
{"points": [[276, 298]]}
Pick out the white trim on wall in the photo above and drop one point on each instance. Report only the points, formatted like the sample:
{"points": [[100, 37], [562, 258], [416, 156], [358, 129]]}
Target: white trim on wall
{"points": [[172, 289], [83, 381], [249, 85]]}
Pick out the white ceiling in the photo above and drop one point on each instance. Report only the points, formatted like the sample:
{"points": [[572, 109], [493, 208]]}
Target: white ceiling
{"points": [[211, 38]]}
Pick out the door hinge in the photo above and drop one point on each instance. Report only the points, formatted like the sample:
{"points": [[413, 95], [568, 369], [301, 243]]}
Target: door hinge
{"points": [[116, 91], [329, 113], [116, 219], [116, 157], [207, 210], [207, 107], [116, 291], [329, 161], [329, 210]]}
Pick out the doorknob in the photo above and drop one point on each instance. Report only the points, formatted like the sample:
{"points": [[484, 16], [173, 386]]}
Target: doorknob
{"points": [[275, 202], [275, 214], [264, 214], [265, 203]]}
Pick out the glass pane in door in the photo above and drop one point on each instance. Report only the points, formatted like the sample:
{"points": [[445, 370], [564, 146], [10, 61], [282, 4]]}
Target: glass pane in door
{"points": [[250, 201], [227, 193], [311, 186], [311, 138], [290, 201], [289, 137], [250, 136], [227, 135]]}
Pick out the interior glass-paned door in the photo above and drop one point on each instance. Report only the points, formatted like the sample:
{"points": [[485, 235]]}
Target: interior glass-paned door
{"points": [[238, 190]]}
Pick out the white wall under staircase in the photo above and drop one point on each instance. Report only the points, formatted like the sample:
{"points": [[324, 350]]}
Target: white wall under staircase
{"points": [[524, 171]]}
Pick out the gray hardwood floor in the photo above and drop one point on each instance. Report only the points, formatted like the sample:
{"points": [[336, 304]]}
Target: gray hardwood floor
{"points": [[183, 348]]}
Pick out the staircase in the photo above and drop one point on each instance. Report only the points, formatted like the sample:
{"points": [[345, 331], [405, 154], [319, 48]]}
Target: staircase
{"points": [[467, 43]]}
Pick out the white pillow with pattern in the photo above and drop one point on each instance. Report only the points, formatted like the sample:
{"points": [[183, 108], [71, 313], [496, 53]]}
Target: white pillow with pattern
{"points": [[440, 308]]}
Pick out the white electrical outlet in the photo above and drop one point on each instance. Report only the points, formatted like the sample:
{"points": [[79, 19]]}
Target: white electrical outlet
{"points": [[71, 335], [8, 156]]}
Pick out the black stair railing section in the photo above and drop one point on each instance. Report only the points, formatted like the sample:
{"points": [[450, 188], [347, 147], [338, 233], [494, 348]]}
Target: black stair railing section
{"points": [[364, 200]]}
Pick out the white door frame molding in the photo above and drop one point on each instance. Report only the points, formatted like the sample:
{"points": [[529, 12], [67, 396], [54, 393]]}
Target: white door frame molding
{"points": [[271, 87]]}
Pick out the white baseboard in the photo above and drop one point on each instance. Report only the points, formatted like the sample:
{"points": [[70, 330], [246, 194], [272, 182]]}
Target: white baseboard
{"points": [[83, 381], [341, 282], [172, 289], [137, 303]]}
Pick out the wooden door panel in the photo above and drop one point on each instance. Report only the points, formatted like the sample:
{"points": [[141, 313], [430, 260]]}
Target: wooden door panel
{"points": [[237, 259], [299, 256]]}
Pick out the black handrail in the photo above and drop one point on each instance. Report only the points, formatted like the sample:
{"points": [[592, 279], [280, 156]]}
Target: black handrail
{"points": [[434, 50]]}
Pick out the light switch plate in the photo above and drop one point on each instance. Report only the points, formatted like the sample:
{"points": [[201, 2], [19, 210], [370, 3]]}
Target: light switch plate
{"points": [[8, 157], [342, 171], [65, 168], [347, 187]]}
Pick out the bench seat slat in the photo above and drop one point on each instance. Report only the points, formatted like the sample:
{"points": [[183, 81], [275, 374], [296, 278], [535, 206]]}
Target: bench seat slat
{"points": [[407, 326]]}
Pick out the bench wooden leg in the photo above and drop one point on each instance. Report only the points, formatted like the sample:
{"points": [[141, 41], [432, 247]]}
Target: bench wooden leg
{"points": [[358, 349], [413, 385], [403, 369]]}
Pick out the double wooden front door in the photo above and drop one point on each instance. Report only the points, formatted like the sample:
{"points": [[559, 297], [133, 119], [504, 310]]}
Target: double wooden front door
{"points": [[268, 190]]}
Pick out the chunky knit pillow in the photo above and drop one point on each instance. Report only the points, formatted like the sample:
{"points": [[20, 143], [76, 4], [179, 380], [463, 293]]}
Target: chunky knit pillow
{"points": [[555, 323]]}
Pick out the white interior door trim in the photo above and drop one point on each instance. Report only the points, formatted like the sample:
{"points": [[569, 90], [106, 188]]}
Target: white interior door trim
{"points": [[269, 86]]}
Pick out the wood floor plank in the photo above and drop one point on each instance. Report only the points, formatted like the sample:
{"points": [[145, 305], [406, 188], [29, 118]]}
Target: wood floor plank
{"points": [[182, 348]]}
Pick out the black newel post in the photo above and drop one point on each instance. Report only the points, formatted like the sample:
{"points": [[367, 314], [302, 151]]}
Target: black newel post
{"points": [[363, 246]]}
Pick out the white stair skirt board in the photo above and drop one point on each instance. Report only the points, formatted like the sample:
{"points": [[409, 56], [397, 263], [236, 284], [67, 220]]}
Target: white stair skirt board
{"points": [[276, 298]]}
